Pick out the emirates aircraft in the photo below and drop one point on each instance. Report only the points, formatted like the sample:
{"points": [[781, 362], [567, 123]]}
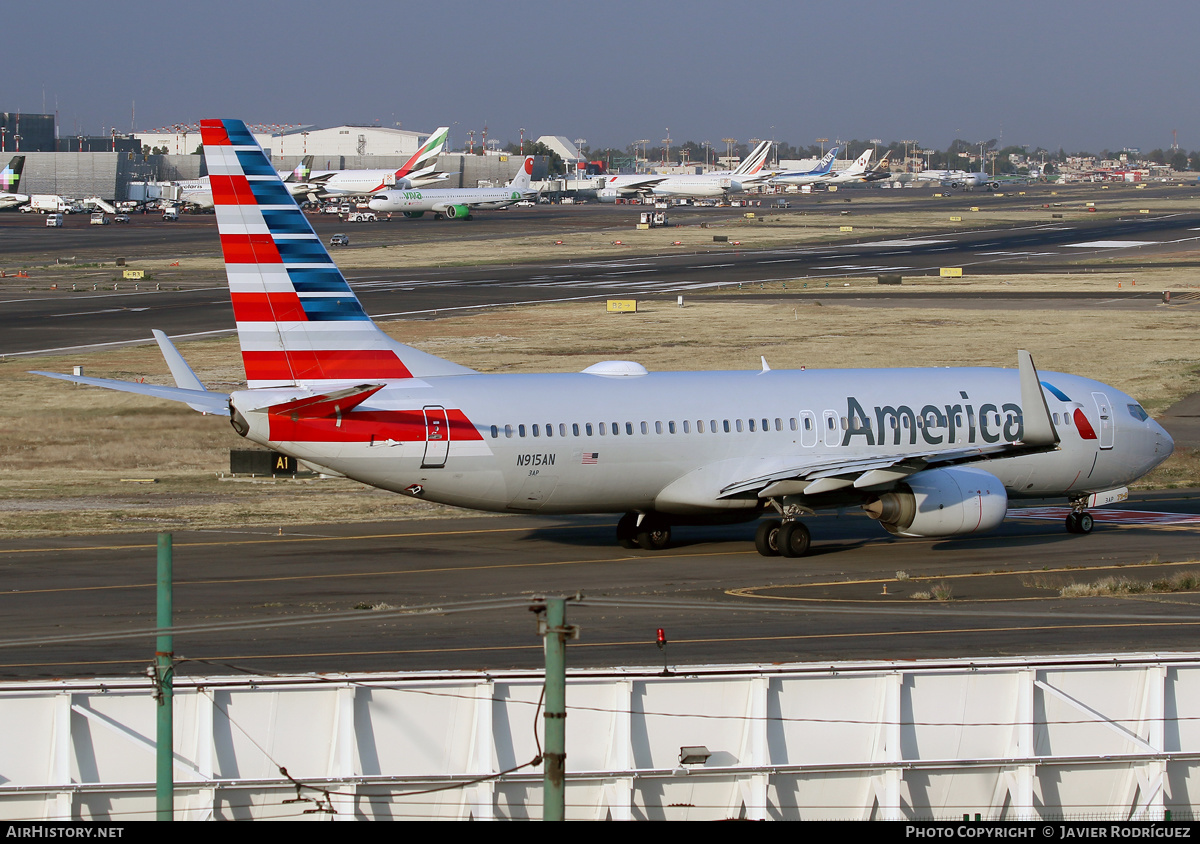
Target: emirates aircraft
{"points": [[931, 452]]}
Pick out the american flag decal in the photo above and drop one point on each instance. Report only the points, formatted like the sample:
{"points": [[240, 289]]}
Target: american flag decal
{"points": [[590, 458]]}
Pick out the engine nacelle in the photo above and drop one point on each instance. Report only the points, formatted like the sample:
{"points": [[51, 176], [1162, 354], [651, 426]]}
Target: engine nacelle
{"points": [[458, 212], [942, 502], [607, 195], [414, 215]]}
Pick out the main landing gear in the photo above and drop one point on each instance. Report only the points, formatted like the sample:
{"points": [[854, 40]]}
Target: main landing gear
{"points": [[775, 538], [652, 534]]}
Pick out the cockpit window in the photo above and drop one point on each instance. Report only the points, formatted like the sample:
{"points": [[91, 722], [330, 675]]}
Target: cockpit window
{"points": [[1135, 410]]}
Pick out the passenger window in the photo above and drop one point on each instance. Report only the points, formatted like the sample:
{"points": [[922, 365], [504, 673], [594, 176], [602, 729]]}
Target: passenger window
{"points": [[629, 428], [752, 426], [520, 430], [726, 425], [574, 429], [495, 432], [658, 427], [686, 427], [738, 424], [537, 431], [645, 428], [671, 426], [603, 429], [588, 428], [508, 431], [562, 429]]}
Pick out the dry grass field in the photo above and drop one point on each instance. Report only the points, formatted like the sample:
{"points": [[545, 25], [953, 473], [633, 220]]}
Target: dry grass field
{"points": [[79, 460]]}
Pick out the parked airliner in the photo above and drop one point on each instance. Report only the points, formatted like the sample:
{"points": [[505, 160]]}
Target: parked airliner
{"points": [[419, 169], [748, 173], [807, 177], [929, 452], [10, 179], [456, 203]]}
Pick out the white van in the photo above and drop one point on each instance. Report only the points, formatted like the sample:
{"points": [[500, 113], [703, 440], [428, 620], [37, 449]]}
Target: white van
{"points": [[54, 221]]}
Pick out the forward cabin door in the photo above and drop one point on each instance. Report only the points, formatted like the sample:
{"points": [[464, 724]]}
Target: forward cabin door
{"points": [[1107, 431], [437, 437]]}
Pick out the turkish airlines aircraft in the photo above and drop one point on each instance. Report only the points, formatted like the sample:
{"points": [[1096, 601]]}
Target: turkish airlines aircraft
{"points": [[926, 452]]}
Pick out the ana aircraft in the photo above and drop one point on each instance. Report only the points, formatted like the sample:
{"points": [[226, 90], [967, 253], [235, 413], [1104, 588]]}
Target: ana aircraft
{"points": [[10, 178], [456, 203], [418, 170], [807, 177], [717, 183], [927, 452]]}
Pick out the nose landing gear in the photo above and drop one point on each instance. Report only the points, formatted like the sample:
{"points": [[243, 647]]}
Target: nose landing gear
{"points": [[1080, 521]]}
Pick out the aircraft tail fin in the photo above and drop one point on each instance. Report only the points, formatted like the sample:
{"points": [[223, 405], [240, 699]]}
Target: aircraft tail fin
{"points": [[860, 163], [753, 162], [521, 181], [427, 154], [298, 321], [826, 163], [303, 170], [10, 176]]}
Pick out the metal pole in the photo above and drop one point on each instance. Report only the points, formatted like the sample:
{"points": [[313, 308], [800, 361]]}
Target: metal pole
{"points": [[164, 653], [554, 758]]}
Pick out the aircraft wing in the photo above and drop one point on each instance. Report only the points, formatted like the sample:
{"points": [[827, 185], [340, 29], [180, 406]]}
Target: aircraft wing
{"points": [[814, 478], [833, 475]]}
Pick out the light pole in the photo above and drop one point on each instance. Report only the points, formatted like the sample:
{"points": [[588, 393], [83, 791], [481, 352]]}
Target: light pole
{"points": [[822, 142], [729, 142]]}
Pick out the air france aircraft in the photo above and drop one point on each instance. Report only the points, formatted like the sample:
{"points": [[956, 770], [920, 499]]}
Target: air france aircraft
{"points": [[456, 203], [931, 452], [717, 183]]}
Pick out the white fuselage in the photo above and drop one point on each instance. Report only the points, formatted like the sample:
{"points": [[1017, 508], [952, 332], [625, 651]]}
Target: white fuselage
{"points": [[417, 201], [671, 442]]}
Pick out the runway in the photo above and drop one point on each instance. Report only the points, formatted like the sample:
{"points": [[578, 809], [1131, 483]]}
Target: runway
{"points": [[39, 320], [455, 594]]}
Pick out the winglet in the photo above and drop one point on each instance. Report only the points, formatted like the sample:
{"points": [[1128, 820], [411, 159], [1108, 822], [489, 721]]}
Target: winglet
{"points": [[1038, 425], [184, 377]]}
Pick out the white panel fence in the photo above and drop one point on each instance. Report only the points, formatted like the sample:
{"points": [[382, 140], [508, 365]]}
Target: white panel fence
{"points": [[1089, 737]]}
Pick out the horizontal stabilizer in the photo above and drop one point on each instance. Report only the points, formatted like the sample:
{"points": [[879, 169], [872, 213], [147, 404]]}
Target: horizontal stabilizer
{"points": [[327, 404], [204, 401]]}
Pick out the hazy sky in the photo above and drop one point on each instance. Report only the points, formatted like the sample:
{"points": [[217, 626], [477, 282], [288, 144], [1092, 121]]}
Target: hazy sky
{"points": [[1054, 73]]}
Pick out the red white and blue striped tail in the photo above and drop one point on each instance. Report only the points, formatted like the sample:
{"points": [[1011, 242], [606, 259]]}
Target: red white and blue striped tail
{"points": [[298, 321]]}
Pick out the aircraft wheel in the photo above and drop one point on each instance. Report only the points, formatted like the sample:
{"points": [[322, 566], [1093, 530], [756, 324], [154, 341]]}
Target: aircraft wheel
{"points": [[653, 536], [1072, 522], [1085, 523], [794, 539], [766, 538], [627, 531]]}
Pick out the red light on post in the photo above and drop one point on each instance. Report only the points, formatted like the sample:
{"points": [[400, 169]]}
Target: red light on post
{"points": [[661, 638]]}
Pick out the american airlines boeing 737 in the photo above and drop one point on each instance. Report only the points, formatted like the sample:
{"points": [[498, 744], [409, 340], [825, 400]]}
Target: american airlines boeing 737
{"points": [[927, 452]]}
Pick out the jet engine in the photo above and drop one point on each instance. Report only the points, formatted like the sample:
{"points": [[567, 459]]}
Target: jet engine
{"points": [[458, 212], [942, 502]]}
